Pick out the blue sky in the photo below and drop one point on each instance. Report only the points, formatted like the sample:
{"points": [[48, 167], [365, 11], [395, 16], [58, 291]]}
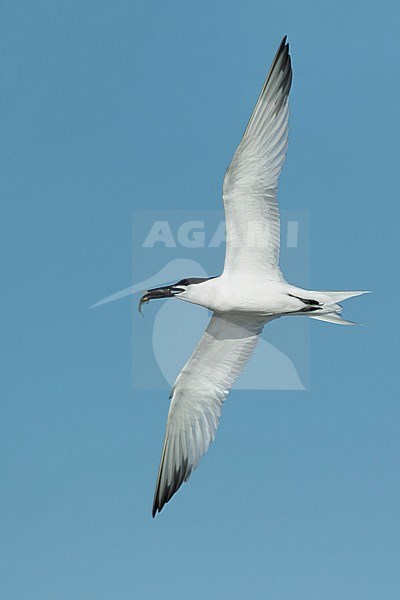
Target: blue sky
{"points": [[108, 108]]}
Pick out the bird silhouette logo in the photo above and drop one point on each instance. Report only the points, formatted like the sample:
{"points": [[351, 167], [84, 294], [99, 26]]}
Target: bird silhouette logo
{"points": [[268, 369]]}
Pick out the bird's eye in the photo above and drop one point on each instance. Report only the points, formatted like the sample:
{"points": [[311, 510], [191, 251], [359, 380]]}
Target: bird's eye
{"points": [[183, 282]]}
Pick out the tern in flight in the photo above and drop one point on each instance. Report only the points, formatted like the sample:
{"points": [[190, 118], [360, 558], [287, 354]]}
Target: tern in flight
{"points": [[250, 293]]}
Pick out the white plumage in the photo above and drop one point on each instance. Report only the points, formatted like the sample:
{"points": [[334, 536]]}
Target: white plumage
{"points": [[198, 395], [251, 181], [250, 292]]}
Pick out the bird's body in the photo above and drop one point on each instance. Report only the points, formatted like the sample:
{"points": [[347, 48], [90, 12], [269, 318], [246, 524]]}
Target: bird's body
{"points": [[246, 293], [250, 292]]}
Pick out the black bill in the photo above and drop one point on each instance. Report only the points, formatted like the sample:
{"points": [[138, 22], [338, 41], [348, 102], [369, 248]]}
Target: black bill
{"points": [[158, 293]]}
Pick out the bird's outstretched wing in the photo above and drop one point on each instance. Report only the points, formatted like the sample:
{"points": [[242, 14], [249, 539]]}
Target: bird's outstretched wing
{"points": [[250, 184], [197, 397]]}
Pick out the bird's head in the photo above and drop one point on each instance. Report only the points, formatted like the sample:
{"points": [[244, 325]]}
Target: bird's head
{"points": [[170, 291]]}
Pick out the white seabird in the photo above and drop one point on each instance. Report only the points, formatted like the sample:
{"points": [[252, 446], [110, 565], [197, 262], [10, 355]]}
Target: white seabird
{"points": [[250, 292]]}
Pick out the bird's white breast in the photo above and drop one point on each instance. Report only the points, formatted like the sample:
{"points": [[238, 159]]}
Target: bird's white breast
{"points": [[228, 293]]}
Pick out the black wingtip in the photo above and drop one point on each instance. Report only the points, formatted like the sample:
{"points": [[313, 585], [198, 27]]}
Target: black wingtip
{"points": [[159, 503], [157, 506], [284, 45], [181, 474]]}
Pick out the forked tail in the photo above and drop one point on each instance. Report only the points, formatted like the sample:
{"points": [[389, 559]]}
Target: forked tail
{"points": [[331, 309]]}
